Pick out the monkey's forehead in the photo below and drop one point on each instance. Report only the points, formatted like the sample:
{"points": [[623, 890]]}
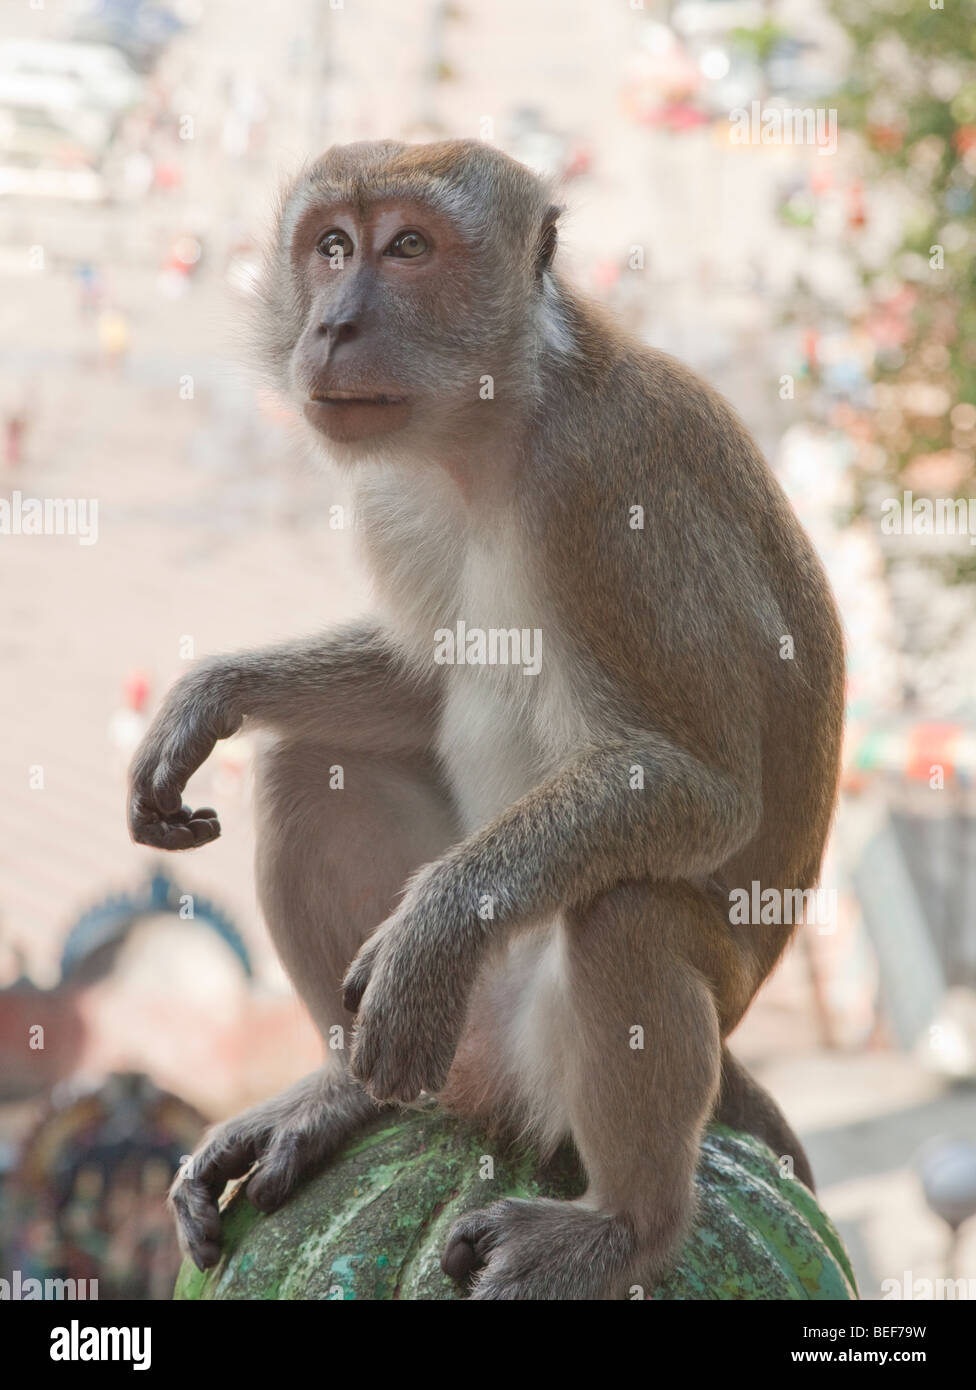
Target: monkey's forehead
{"points": [[472, 183]]}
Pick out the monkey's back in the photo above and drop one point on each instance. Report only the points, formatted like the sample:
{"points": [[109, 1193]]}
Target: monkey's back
{"points": [[706, 607]]}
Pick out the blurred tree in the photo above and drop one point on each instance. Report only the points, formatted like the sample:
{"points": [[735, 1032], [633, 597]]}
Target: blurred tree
{"points": [[911, 96]]}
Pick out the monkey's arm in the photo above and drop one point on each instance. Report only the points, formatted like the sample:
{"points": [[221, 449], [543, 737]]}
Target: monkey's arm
{"points": [[589, 827], [350, 685], [582, 832]]}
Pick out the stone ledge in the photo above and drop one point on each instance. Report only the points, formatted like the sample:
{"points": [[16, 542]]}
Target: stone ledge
{"points": [[373, 1225]]}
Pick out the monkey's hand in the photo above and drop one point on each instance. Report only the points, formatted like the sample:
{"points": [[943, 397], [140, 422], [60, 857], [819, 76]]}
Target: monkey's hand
{"points": [[409, 987], [195, 715]]}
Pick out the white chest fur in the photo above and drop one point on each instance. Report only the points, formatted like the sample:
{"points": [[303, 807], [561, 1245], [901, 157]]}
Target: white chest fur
{"points": [[509, 717]]}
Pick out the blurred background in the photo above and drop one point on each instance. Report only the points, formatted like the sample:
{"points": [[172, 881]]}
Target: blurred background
{"points": [[827, 292]]}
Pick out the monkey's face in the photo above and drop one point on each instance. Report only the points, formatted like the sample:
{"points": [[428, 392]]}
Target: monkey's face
{"points": [[376, 285], [399, 296]]}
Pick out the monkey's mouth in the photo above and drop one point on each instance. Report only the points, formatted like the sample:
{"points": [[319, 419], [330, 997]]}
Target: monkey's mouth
{"points": [[355, 398], [347, 416]]}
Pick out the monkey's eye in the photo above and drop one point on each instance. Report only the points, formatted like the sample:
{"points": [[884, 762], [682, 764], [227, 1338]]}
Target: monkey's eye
{"points": [[333, 241], [406, 245]]}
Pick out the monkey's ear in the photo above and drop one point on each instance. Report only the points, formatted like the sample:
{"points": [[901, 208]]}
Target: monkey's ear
{"points": [[548, 240]]}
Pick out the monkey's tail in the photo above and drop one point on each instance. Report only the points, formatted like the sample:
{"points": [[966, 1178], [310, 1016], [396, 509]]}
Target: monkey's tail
{"points": [[744, 1104]]}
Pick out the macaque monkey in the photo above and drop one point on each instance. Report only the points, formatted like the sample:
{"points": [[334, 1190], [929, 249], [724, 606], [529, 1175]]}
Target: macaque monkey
{"points": [[528, 866]]}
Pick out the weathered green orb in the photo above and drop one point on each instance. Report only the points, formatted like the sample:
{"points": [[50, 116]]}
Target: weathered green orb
{"points": [[374, 1224]]}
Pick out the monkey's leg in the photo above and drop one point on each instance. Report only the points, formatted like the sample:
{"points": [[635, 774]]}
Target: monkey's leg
{"points": [[331, 861], [638, 1062]]}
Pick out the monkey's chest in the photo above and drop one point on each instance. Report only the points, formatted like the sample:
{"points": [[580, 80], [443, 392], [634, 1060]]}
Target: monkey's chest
{"points": [[510, 718], [488, 743], [504, 730]]}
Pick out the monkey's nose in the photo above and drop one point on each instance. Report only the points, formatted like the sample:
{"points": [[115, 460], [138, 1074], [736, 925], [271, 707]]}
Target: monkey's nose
{"points": [[338, 330]]}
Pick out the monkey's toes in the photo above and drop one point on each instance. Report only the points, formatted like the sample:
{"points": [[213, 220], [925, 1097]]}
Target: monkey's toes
{"points": [[197, 1224], [204, 1253], [468, 1245], [291, 1157], [460, 1259]]}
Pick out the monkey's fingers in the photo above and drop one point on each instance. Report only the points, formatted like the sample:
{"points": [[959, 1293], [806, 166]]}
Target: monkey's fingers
{"points": [[196, 1191], [183, 829], [396, 1056]]}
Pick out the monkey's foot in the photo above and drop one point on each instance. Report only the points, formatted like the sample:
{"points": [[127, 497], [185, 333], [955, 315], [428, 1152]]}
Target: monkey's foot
{"points": [[283, 1140], [540, 1250]]}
